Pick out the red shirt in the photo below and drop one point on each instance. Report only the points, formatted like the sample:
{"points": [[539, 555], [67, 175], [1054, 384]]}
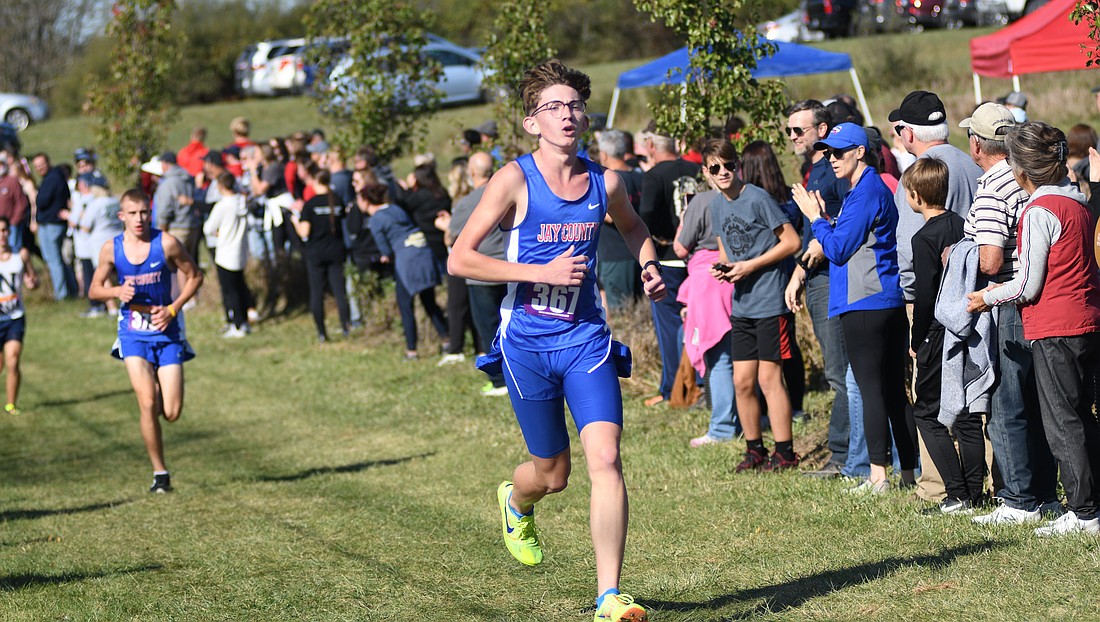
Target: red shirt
{"points": [[13, 201], [190, 157]]}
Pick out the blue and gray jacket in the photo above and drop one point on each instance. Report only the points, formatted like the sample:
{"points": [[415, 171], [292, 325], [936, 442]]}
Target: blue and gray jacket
{"points": [[861, 244]]}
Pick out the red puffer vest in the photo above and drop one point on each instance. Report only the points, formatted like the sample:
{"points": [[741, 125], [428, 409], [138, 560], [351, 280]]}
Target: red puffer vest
{"points": [[1069, 303]]}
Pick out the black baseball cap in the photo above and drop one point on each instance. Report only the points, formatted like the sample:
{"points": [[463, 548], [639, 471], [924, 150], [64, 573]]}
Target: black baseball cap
{"points": [[920, 108], [214, 157]]}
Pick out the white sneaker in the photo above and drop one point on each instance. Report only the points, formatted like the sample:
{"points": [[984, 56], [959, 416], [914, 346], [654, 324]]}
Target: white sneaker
{"points": [[1069, 524], [1005, 515], [706, 439], [451, 359], [867, 487], [235, 333]]}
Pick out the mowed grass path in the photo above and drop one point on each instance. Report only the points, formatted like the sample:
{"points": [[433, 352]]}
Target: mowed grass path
{"points": [[341, 483]]}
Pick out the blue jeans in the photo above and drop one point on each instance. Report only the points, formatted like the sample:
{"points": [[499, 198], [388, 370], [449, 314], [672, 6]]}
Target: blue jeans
{"points": [[260, 243], [829, 336], [858, 462], [723, 405], [15, 237], [51, 235], [668, 326], [1015, 429]]}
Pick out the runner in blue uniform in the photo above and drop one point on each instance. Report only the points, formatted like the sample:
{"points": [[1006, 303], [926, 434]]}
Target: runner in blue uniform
{"points": [[15, 272], [150, 332], [553, 345]]}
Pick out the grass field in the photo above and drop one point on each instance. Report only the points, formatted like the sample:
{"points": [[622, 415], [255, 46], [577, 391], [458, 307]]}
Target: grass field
{"points": [[341, 483]]}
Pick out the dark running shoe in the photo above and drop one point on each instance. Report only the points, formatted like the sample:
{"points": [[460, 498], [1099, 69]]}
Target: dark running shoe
{"points": [[752, 461], [779, 463], [161, 484]]}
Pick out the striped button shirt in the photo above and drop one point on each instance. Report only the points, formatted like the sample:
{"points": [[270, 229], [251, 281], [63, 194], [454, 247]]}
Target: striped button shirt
{"points": [[994, 214]]}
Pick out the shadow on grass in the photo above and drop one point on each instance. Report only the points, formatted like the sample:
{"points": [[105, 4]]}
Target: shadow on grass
{"points": [[7, 515], [795, 593], [20, 581], [86, 398], [347, 468]]}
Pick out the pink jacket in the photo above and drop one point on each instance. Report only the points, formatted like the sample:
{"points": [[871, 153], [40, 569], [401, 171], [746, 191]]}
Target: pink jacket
{"points": [[709, 303]]}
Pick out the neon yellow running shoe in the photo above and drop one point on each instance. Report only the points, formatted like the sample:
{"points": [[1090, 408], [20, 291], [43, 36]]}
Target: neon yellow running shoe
{"points": [[620, 608], [520, 535], [11, 409]]}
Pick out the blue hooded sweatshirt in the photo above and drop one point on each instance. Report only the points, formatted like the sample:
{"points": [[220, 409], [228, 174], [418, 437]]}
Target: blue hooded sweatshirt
{"points": [[861, 245]]}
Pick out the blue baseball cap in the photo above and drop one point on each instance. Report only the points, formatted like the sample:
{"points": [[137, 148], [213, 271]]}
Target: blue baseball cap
{"points": [[94, 178], [842, 136]]}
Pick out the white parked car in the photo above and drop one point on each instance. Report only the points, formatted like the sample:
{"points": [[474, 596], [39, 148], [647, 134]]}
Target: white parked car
{"points": [[265, 66], [462, 78], [788, 29], [21, 110], [287, 71]]}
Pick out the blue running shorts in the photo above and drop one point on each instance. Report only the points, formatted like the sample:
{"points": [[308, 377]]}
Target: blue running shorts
{"points": [[159, 353], [585, 376]]}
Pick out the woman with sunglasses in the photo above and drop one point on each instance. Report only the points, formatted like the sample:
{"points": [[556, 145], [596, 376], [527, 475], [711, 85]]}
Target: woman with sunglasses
{"points": [[860, 243]]}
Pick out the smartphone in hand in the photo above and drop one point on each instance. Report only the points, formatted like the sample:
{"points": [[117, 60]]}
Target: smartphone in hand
{"points": [[721, 267]]}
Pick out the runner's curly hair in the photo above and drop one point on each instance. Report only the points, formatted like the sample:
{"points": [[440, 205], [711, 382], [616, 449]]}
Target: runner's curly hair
{"points": [[541, 77]]}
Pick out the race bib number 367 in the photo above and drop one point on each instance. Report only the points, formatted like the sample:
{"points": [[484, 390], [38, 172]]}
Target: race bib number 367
{"points": [[553, 301], [141, 319]]}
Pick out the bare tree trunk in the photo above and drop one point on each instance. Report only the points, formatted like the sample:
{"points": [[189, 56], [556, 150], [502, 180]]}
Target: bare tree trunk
{"points": [[41, 38]]}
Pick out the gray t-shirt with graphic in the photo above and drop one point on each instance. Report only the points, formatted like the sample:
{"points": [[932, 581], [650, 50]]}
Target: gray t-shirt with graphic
{"points": [[747, 227]]}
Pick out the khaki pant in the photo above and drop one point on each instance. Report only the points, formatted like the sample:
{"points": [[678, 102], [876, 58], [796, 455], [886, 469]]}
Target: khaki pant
{"points": [[189, 239]]}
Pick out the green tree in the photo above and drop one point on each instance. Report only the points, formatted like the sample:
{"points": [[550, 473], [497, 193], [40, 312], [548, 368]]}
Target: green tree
{"points": [[724, 51], [518, 41], [375, 83], [1087, 11], [133, 105]]}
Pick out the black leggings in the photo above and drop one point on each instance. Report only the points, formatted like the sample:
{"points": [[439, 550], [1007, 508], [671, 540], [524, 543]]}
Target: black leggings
{"points": [[332, 271], [408, 317], [877, 349], [235, 295], [963, 471], [794, 374], [458, 314], [87, 269]]}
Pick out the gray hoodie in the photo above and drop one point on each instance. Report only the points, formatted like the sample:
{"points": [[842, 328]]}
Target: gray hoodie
{"points": [[969, 341], [171, 214]]}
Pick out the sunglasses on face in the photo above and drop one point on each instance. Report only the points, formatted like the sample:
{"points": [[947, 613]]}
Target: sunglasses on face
{"points": [[898, 128], [837, 154], [797, 132], [729, 166]]}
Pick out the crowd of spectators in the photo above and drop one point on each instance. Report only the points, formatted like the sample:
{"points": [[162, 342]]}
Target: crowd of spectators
{"points": [[951, 292]]}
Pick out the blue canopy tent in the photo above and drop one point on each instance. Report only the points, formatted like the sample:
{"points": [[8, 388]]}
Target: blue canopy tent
{"points": [[790, 59]]}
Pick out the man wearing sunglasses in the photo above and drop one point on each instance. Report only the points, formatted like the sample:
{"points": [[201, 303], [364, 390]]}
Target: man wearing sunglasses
{"points": [[808, 123], [754, 237], [921, 122]]}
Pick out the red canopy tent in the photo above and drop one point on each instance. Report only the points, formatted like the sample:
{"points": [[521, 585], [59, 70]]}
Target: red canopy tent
{"points": [[1047, 40]]}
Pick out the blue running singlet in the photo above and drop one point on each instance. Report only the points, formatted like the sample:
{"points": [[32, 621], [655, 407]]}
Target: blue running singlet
{"points": [[537, 316], [152, 281]]}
